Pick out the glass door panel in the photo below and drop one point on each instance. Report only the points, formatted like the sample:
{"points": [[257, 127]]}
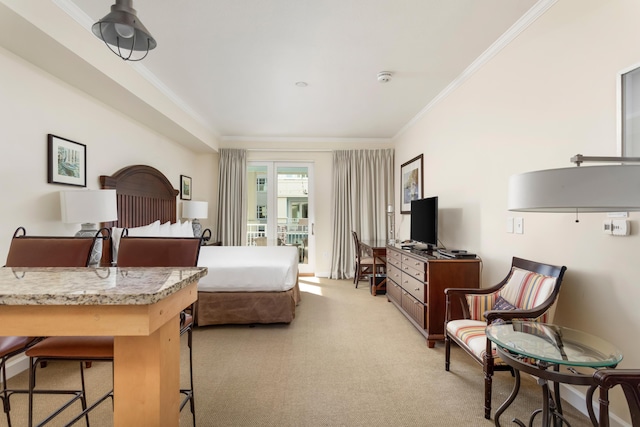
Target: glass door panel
{"points": [[282, 188]]}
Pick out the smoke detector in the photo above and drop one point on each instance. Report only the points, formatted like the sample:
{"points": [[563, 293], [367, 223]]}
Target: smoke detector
{"points": [[384, 76]]}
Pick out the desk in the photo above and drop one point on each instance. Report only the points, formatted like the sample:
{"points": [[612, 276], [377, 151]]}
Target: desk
{"points": [[378, 250], [550, 353], [140, 307]]}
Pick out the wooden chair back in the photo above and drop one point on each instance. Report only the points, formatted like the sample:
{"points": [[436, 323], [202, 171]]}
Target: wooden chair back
{"points": [[158, 251], [49, 251], [629, 381], [356, 244]]}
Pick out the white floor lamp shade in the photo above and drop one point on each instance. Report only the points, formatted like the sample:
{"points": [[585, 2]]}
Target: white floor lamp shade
{"points": [[576, 189], [89, 207]]}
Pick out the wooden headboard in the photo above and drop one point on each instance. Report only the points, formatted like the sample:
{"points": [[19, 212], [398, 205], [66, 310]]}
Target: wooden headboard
{"points": [[144, 195]]}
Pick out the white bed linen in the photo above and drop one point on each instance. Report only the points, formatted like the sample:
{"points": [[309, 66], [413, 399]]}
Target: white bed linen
{"points": [[248, 268]]}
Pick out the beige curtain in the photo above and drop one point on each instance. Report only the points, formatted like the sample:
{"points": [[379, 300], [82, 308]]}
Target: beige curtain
{"points": [[232, 200], [362, 190]]}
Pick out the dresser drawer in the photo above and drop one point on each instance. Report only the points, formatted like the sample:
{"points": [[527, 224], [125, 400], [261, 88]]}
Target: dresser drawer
{"points": [[413, 286], [394, 274], [413, 272], [393, 258], [413, 263], [413, 308], [393, 254], [394, 292]]}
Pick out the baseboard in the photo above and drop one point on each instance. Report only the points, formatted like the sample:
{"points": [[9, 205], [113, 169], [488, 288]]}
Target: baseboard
{"points": [[324, 274], [576, 398], [17, 365]]}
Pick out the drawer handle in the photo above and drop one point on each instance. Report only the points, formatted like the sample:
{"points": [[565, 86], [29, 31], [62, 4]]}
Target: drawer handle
{"points": [[417, 264], [416, 289], [416, 302]]}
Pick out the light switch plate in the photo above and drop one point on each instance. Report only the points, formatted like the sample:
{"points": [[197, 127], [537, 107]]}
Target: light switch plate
{"points": [[518, 225], [510, 224]]}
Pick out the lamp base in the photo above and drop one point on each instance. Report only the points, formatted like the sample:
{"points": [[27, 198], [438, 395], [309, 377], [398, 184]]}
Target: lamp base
{"points": [[89, 229], [197, 228]]}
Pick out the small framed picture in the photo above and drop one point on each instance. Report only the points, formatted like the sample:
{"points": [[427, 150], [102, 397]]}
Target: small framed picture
{"points": [[411, 183], [185, 187], [67, 162]]}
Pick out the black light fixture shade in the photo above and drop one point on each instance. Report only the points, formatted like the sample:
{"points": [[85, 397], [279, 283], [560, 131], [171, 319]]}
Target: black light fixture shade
{"points": [[123, 33]]}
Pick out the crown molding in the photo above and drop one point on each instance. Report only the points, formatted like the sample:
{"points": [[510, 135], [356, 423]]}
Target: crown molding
{"points": [[503, 41]]}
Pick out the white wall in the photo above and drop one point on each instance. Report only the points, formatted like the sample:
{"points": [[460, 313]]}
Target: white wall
{"points": [[33, 104], [547, 96]]}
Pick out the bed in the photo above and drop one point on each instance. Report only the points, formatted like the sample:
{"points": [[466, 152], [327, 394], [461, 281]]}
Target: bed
{"points": [[245, 285]]}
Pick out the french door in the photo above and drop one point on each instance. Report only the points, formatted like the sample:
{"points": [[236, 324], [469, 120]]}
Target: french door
{"points": [[280, 208]]}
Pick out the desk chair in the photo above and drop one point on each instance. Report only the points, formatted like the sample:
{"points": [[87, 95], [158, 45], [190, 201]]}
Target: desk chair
{"points": [[363, 262], [39, 251], [132, 252]]}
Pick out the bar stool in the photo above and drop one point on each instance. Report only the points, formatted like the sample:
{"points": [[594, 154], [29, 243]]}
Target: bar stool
{"points": [[39, 251]]}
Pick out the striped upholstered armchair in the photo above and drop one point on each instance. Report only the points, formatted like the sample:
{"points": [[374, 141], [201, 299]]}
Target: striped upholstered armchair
{"points": [[529, 291]]}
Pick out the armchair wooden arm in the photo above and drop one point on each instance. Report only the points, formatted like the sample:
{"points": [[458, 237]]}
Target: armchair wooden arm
{"points": [[629, 381]]}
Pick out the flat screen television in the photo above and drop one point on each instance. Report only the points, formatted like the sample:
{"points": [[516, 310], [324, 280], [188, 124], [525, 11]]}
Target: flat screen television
{"points": [[424, 222]]}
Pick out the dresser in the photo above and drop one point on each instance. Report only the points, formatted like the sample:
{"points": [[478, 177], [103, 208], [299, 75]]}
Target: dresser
{"points": [[416, 284]]}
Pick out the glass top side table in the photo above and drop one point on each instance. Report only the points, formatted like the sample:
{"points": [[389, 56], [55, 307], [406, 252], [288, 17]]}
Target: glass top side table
{"points": [[540, 350]]}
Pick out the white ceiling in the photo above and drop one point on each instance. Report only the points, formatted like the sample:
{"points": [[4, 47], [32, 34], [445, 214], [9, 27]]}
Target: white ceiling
{"points": [[234, 63]]}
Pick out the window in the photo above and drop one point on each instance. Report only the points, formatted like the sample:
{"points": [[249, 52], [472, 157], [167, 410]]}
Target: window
{"points": [[261, 185], [261, 212], [630, 94]]}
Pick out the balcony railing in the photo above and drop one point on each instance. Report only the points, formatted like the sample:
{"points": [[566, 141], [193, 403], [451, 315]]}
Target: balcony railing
{"points": [[290, 233]]}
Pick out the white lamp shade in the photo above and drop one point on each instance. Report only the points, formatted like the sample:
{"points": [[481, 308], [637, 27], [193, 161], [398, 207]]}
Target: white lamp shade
{"points": [[578, 189], [194, 209], [88, 206]]}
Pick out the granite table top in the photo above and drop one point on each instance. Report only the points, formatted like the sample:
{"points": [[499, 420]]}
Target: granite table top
{"points": [[93, 286]]}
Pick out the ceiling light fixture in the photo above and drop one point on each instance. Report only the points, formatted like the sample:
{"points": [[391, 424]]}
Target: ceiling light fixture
{"points": [[123, 33], [611, 188], [384, 76]]}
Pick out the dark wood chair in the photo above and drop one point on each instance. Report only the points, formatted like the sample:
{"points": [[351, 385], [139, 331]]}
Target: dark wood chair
{"points": [[132, 252], [629, 381], [469, 311], [39, 251], [363, 262]]}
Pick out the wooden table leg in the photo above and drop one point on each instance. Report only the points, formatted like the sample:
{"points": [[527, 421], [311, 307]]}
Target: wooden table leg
{"points": [[147, 378]]}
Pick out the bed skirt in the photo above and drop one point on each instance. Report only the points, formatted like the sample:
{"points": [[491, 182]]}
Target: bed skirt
{"points": [[223, 308]]}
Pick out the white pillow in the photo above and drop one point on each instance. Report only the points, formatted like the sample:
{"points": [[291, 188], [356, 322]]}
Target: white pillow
{"points": [[151, 230], [176, 229], [187, 229], [165, 229]]}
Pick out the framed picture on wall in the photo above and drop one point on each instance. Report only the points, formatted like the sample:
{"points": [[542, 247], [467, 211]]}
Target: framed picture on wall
{"points": [[185, 187], [66, 161], [411, 183]]}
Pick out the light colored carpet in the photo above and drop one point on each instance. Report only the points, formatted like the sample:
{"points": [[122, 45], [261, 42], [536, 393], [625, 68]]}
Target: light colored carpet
{"points": [[348, 359]]}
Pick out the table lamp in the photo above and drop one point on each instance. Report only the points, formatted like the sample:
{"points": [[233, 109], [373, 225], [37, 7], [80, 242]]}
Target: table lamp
{"points": [[195, 210], [89, 207]]}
